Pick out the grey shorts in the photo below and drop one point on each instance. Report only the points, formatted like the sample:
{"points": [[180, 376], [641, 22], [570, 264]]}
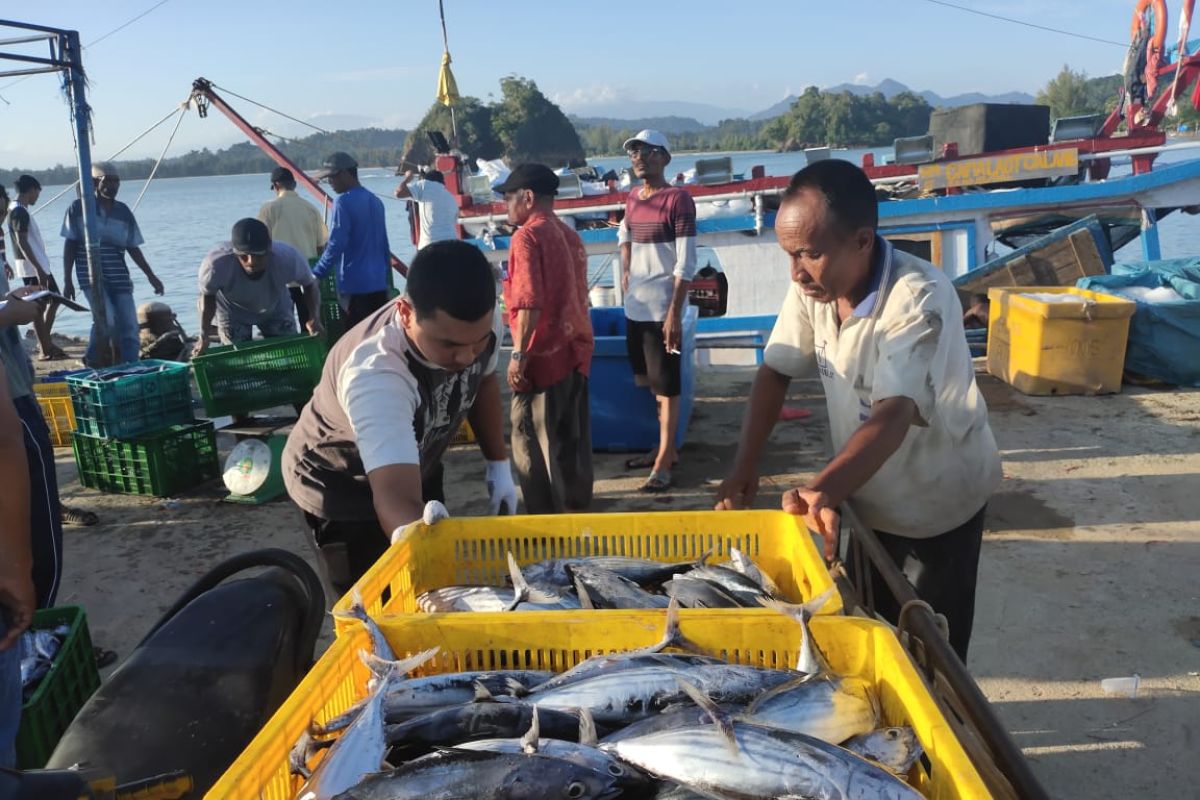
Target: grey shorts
{"points": [[231, 332]]}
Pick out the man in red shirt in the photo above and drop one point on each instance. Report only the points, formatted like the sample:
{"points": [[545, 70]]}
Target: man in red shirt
{"points": [[545, 293]]}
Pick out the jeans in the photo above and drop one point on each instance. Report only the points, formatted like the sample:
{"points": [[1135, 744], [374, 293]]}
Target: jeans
{"points": [[10, 698], [120, 313]]}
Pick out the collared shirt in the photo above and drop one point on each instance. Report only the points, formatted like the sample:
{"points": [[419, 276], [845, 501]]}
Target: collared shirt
{"points": [[905, 339], [293, 220], [243, 300], [547, 270], [438, 211], [661, 231], [119, 231], [17, 366], [357, 250], [21, 221], [378, 403]]}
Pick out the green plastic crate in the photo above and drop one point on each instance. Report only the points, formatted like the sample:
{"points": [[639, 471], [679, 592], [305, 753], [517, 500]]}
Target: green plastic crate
{"points": [[263, 373], [72, 679], [158, 464], [334, 320], [131, 399]]}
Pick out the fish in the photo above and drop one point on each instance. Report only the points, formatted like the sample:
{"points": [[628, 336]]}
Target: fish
{"points": [[698, 593], [895, 749], [599, 588], [732, 582], [469, 775], [829, 708], [495, 598], [358, 611], [811, 660], [671, 717], [741, 562], [361, 748], [739, 759], [453, 726], [642, 571]]}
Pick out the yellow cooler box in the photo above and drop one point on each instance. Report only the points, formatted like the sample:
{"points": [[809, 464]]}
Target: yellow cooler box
{"points": [[1057, 339]]}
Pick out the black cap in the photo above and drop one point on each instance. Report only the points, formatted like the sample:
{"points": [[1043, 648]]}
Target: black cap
{"points": [[250, 237], [282, 175], [538, 177], [335, 162]]}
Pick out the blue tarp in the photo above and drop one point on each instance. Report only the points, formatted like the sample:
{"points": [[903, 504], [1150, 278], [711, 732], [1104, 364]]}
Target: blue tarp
{"points": [[1164, 337]]}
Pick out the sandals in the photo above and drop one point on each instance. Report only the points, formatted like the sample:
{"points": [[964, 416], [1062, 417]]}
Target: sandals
{"points": [[75, 516], [55, 354], [658, 482], [103, 657], [645, 461]]}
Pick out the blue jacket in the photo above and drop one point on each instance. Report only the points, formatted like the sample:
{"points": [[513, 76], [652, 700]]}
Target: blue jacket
{"points": [[358, 244]]}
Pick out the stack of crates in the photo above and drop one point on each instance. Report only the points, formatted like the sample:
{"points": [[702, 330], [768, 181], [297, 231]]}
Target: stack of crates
{"points": [[136, 433], [54, 397]]}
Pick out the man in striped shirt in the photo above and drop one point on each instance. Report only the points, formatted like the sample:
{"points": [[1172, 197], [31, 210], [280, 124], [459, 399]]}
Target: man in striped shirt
{"points": [[658, 261]]}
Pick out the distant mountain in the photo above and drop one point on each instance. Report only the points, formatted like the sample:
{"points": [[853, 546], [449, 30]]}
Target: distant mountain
{"points": [[644, 109], [668, 125], [774, 111], [891, 88]]}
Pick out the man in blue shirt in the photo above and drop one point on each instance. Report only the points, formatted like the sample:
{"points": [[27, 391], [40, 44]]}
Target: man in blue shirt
{"points": [[358, 246], [119, 233]]}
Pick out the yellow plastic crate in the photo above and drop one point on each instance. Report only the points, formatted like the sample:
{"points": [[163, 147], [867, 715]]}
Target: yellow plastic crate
{"points": [[1042, 347], [55, 400], [471, 551], [855, 647]]}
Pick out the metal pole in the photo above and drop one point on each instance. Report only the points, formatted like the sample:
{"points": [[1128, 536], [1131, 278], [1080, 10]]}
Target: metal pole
{"points": [[81, 116]]}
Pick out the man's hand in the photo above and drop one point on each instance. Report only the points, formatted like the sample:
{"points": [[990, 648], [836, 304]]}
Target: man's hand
{"points": [[502, 492], [819, 515], [20, 311], [737, 491], [315, 327], [8, 271], [155, 283], [19, 598], [672, 333], [516, 376], [201, 346], [624, 281], [69, 290]]}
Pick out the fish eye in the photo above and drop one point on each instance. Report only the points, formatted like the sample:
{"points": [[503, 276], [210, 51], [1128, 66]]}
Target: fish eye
{"points": [[575, 789], [616, 770], [893, 733]]}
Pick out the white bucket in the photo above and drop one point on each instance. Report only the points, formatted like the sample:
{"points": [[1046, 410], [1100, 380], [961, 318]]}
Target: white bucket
{"points": [[601, 296]]}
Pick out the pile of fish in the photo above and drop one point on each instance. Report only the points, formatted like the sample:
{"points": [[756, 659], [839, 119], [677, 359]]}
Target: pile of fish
{"points": [[612, 582], [642, 724], [38, 649]]}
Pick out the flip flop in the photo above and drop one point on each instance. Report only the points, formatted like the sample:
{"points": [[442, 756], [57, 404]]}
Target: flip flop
{"points": [[75, 516], [646, 461], [658, 482], [103, 657], [55, 354]]}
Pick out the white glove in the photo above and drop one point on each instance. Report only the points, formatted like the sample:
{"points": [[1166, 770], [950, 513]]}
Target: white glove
{"points": [[502, 492], [434, 512]]}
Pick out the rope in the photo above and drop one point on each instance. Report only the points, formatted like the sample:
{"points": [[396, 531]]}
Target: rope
{"points": [[272, 110], [182, 113], [43, 205]]}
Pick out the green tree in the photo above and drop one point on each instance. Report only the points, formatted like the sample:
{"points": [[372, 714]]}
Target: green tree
{"points": [[1068, 94], [531, 128]]}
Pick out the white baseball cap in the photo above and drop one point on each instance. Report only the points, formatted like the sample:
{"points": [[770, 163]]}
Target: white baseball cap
{"points": [[652, 138]]}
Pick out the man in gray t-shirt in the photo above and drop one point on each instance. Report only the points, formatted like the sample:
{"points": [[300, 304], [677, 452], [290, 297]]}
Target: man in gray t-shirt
{"points": [[244, 283]]}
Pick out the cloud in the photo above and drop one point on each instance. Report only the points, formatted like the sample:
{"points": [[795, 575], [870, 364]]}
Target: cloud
{"points": [[862, 78], [584, 96]]}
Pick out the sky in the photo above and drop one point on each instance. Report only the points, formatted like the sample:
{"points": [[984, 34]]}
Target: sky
{"points": [[357, 63]]}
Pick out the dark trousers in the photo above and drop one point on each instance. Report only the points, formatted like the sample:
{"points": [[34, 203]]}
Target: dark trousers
{"points": [[552, 446], [361, 306], [297, 293], [347, 549], [45, 512], [942, 570]]}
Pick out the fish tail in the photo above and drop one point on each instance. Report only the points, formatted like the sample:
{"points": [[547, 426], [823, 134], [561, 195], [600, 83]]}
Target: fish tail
{"points": [[720, 718]]}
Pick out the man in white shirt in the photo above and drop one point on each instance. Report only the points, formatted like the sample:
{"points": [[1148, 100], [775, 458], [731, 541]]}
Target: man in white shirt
{"points": [[883, 329], [30, 261], [437, 207]]}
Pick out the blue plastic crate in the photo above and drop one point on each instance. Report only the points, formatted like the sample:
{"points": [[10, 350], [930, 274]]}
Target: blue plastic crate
{"points": [[624, 415], [131, 399]]}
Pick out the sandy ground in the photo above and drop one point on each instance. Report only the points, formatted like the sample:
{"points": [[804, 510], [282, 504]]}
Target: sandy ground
{"points": [[1089, 570]]}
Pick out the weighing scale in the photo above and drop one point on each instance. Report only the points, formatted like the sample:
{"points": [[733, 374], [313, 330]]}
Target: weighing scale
{"points": [[253, 473]]}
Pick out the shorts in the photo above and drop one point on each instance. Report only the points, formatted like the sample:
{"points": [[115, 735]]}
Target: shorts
{"points": [[651, 362], [34, 281], [230, 332]]}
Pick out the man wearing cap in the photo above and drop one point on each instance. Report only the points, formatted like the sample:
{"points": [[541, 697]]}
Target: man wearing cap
{"points": [[437, 208], [244, 283], [546, 295], [366, 454], [293, 220], [119, 234], [658, 260], [357, 250]]}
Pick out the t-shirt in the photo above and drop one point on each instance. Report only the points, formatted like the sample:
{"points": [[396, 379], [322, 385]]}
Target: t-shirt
{"points": [[244, 300], [378, 403], [293, 220], [119, 231], [661, 231], [547, 270], [357, 251], [905, 339], [17, 366], [21, 221], [438, 211]]}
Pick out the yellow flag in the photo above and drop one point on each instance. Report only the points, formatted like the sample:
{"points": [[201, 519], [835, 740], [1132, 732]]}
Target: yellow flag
{"points": [[447, 91]]}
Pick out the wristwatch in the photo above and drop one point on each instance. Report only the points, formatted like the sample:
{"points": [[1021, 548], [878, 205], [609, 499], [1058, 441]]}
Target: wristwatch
{"points": [[517, 355]]}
